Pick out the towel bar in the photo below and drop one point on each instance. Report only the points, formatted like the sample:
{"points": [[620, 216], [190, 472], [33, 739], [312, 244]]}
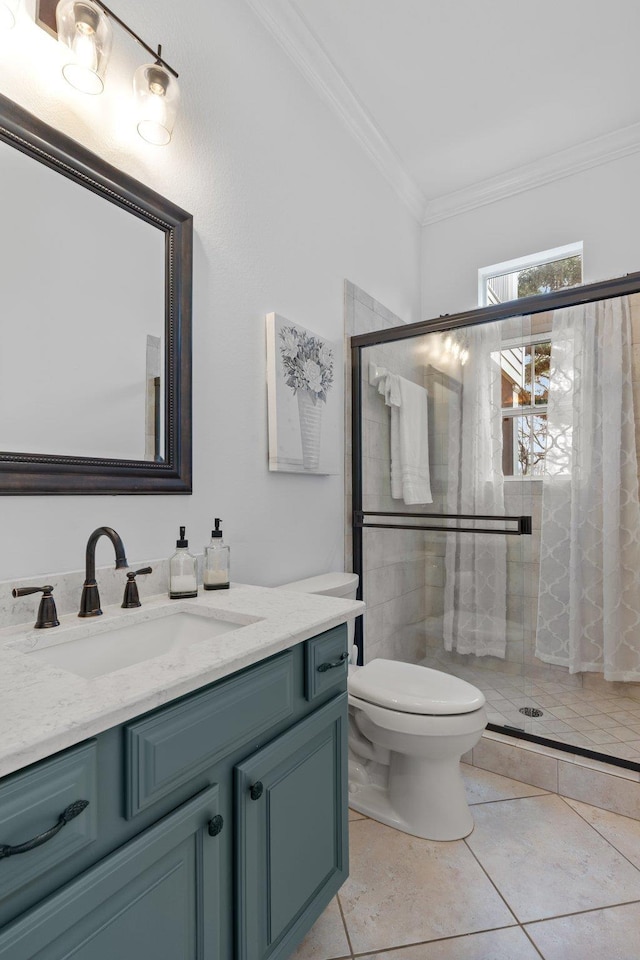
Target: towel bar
{"points": [[523, 523]]}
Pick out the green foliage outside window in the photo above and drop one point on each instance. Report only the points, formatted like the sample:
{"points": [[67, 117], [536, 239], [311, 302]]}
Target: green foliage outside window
{"points": [[547, 277]]}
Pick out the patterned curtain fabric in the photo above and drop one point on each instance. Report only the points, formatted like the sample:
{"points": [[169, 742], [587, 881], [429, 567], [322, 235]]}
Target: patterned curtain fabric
{"points": [[475, 594], [589, 600]]}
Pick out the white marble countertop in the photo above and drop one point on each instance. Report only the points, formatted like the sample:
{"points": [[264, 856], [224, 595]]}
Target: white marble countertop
{"points": [[44, 709]]}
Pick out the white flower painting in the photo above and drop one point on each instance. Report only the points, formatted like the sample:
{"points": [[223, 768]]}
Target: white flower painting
{"points": [[304, 403]]}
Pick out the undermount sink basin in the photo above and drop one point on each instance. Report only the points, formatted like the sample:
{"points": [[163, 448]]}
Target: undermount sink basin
{"points": [[102, 653]]}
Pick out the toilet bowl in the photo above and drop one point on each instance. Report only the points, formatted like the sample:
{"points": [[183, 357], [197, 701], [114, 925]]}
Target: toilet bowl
{"points": [[424, 720], [409, 725]]}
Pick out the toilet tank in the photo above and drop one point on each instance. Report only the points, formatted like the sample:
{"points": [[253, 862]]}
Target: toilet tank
{"points": [[327, 584], [330, 585]]}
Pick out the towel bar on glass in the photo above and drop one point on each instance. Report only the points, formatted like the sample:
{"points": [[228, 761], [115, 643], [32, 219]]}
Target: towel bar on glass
{"points": [[523, 523]]}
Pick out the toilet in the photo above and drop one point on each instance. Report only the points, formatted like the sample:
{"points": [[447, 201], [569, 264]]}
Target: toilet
{"points": [[409, 725]]}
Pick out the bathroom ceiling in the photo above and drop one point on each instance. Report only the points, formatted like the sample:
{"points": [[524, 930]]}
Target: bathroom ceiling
{"points": [[465, 90]]}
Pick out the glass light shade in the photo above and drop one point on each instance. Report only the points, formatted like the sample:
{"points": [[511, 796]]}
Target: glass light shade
{"points": [[85, 31], [157, 97], [8, 10]]}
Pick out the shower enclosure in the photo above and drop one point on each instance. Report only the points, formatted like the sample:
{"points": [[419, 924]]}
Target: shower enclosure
{"points": [[496, 514]]}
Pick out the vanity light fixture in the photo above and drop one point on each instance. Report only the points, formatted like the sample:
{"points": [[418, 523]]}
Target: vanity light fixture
{"points": [[8, 10], [157, 97], [84, 28], [86, 31]]}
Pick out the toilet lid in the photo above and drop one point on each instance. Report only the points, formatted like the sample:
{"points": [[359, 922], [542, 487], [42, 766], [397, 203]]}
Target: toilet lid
{"points": [[411, 688]]}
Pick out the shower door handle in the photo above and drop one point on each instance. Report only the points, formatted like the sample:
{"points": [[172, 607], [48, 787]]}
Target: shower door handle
{"points": [[523, 523]]}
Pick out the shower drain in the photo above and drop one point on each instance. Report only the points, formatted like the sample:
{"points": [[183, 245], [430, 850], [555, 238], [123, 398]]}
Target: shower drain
{"points": [[530, 711]]}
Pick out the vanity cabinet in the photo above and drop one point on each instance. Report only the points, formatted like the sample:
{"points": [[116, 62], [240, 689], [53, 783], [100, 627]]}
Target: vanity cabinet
{"points": [[216, 828]]}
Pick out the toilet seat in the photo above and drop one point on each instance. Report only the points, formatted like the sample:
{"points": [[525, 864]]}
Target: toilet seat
{"points": [[414, 689], [422, 725]]}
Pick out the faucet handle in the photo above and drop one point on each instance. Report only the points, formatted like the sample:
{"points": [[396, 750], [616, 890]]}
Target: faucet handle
{"points": [[47, 613], [131, 596]]}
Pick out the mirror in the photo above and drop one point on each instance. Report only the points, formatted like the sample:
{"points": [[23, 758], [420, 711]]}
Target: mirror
{"points": [[95, 356]]}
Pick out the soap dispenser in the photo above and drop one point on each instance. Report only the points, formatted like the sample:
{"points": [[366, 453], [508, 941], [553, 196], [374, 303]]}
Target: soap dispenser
{"points": [[183, 582], [215, 569]]}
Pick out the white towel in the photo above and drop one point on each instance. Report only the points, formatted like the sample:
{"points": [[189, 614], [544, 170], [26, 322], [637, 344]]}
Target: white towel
{"points": [[389, 387], [410, 476]]}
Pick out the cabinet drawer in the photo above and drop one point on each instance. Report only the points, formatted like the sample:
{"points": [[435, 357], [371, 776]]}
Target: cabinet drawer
{"points": [[31, 804], [157, 896], [166, 750], [326, 662]]}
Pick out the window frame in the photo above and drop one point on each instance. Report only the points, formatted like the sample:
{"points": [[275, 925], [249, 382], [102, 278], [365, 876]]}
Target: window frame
{"points": [[528, 340]]}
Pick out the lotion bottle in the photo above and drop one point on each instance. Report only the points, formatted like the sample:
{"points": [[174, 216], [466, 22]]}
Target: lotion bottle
{"points": [[215, 569], [183, 581]]}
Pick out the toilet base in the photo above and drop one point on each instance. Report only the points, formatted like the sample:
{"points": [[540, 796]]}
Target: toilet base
{"points": [[451, 823]]}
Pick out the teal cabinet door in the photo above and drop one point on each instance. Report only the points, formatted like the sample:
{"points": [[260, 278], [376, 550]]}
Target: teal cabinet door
{"points": [[157, 898], [292, 843]]}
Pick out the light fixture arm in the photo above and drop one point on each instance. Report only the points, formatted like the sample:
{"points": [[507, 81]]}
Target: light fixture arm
{"points": [[156, 54]]}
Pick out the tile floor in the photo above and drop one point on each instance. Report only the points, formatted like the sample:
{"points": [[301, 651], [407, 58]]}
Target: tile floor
{"points": [[540, 876], [605, 722]]}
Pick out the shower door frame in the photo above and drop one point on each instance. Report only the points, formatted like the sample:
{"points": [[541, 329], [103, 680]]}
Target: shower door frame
{"points": [[542, 303]]}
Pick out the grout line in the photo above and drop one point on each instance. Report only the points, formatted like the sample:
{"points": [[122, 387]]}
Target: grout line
{"points": [[525, 796], [491, 881], [579, 913], [344, 924], [531, 941], [422, 943], [600, 834]]}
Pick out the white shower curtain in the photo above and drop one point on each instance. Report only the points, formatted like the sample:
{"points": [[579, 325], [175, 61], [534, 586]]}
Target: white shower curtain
{"points": [[476, 564], [589, 600]]}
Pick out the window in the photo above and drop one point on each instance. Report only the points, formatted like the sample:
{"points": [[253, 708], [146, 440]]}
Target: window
{"points": [[525, 393], [525, 363], [531, 275]]}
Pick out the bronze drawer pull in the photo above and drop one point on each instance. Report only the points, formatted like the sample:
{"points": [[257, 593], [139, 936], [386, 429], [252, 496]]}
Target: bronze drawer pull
{"points": [[69, 813], [215, 825], [333, 663], [256, 790]]}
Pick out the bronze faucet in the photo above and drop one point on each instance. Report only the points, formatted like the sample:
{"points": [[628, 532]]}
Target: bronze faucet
{"points": [[90, 601]]}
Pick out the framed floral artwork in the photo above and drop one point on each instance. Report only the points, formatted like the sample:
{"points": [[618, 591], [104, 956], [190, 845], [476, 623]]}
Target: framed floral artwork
{"points": [[304, 401]]}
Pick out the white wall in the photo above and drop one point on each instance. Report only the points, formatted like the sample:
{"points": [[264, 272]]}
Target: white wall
{"points": [[600, 206], [286, 205]]}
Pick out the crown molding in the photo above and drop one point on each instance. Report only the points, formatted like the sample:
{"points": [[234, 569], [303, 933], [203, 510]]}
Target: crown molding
{"points": [[297, 39], [556, 166]]}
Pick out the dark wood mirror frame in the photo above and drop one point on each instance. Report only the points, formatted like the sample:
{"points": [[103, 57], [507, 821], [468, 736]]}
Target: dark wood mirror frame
{"points": [[33, 473]]}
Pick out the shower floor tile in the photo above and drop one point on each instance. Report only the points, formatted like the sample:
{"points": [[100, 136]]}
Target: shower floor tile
{"points": [[581, 718], [540, 877]]}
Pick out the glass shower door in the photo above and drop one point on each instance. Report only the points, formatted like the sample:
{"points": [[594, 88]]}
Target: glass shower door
{"points": [[442, 565]]}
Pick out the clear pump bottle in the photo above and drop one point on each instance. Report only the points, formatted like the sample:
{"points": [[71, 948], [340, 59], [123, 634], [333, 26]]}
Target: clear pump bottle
{"points": [[183, 580], [215, 569]]}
